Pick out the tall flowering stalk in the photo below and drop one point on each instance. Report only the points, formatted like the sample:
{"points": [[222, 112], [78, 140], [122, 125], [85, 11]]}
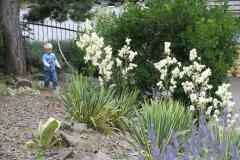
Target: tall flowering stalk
{"points": [[196, 85], [224, 101], [124, 64], [170, 71], [97, 55]]}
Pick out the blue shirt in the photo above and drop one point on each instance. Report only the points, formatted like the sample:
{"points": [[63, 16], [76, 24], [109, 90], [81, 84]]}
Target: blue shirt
{"points": [[49, 61]]}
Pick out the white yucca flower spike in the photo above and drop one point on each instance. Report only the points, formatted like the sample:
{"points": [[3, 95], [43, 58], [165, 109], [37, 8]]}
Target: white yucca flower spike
{"points": [[193, 54], [167, 48]]}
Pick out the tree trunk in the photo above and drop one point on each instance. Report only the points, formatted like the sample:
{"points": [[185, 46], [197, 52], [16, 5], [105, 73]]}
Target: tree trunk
{"points": [[12, 36]]}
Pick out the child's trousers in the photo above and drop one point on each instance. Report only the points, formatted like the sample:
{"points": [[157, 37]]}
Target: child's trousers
{"points": [[50, 76]]}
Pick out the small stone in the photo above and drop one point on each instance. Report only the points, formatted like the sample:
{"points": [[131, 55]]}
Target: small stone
{"points": [[80, 127], [65, 126], [102, 156], [24, 83], [69, 140], [65, 154]]}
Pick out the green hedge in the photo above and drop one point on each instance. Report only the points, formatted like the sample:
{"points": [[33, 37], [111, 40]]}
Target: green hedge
{"points": [[187, 24]]}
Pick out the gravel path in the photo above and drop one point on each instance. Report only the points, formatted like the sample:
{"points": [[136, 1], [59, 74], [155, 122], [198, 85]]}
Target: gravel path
{"points": [[17, 115]]}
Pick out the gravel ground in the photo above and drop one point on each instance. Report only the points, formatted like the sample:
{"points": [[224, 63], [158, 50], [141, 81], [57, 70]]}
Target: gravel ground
{"points": [[20, 113]]}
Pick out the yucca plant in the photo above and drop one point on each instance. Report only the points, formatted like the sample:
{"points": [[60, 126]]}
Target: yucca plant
{"points": [[159, 120], [87, 103], [124, 109], [44, 137], [98, 107]]}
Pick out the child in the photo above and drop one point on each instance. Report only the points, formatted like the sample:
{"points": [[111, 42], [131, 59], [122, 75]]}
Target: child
{"points": [[50, 62]]}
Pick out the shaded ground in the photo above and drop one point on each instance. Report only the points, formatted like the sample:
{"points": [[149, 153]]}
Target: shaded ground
{"points": [[19, 113]]}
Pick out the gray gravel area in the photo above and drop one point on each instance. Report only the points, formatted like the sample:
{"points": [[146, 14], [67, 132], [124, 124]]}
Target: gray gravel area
{"points": [[17, 115], [20, 113]]}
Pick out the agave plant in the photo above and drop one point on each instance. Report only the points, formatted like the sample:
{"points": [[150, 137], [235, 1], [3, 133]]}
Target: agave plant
{"points": [[157, 122], [44, 137]]}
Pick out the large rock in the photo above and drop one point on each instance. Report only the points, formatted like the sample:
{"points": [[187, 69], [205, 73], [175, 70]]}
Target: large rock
{"points": [[24, 83], [80, 127], [69, 140]]}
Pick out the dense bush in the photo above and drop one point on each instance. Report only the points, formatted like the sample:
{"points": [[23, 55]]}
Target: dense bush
{"points": [[187, 24], [160, 120], [34, 52], [98, 107]]}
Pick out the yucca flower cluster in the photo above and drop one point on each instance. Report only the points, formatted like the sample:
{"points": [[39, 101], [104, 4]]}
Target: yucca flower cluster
{"points": [[100, 56], [195, 83], [125, 59], [224, 101], [96, 53], [169, 69]]}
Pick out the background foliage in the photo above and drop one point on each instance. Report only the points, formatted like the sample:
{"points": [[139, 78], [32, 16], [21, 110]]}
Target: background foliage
{"points": [[187, 24], [60, 10]]}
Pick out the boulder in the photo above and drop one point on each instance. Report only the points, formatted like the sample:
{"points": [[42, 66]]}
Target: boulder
{"points": [[69, 140], [80, 127], [24, 83]]}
